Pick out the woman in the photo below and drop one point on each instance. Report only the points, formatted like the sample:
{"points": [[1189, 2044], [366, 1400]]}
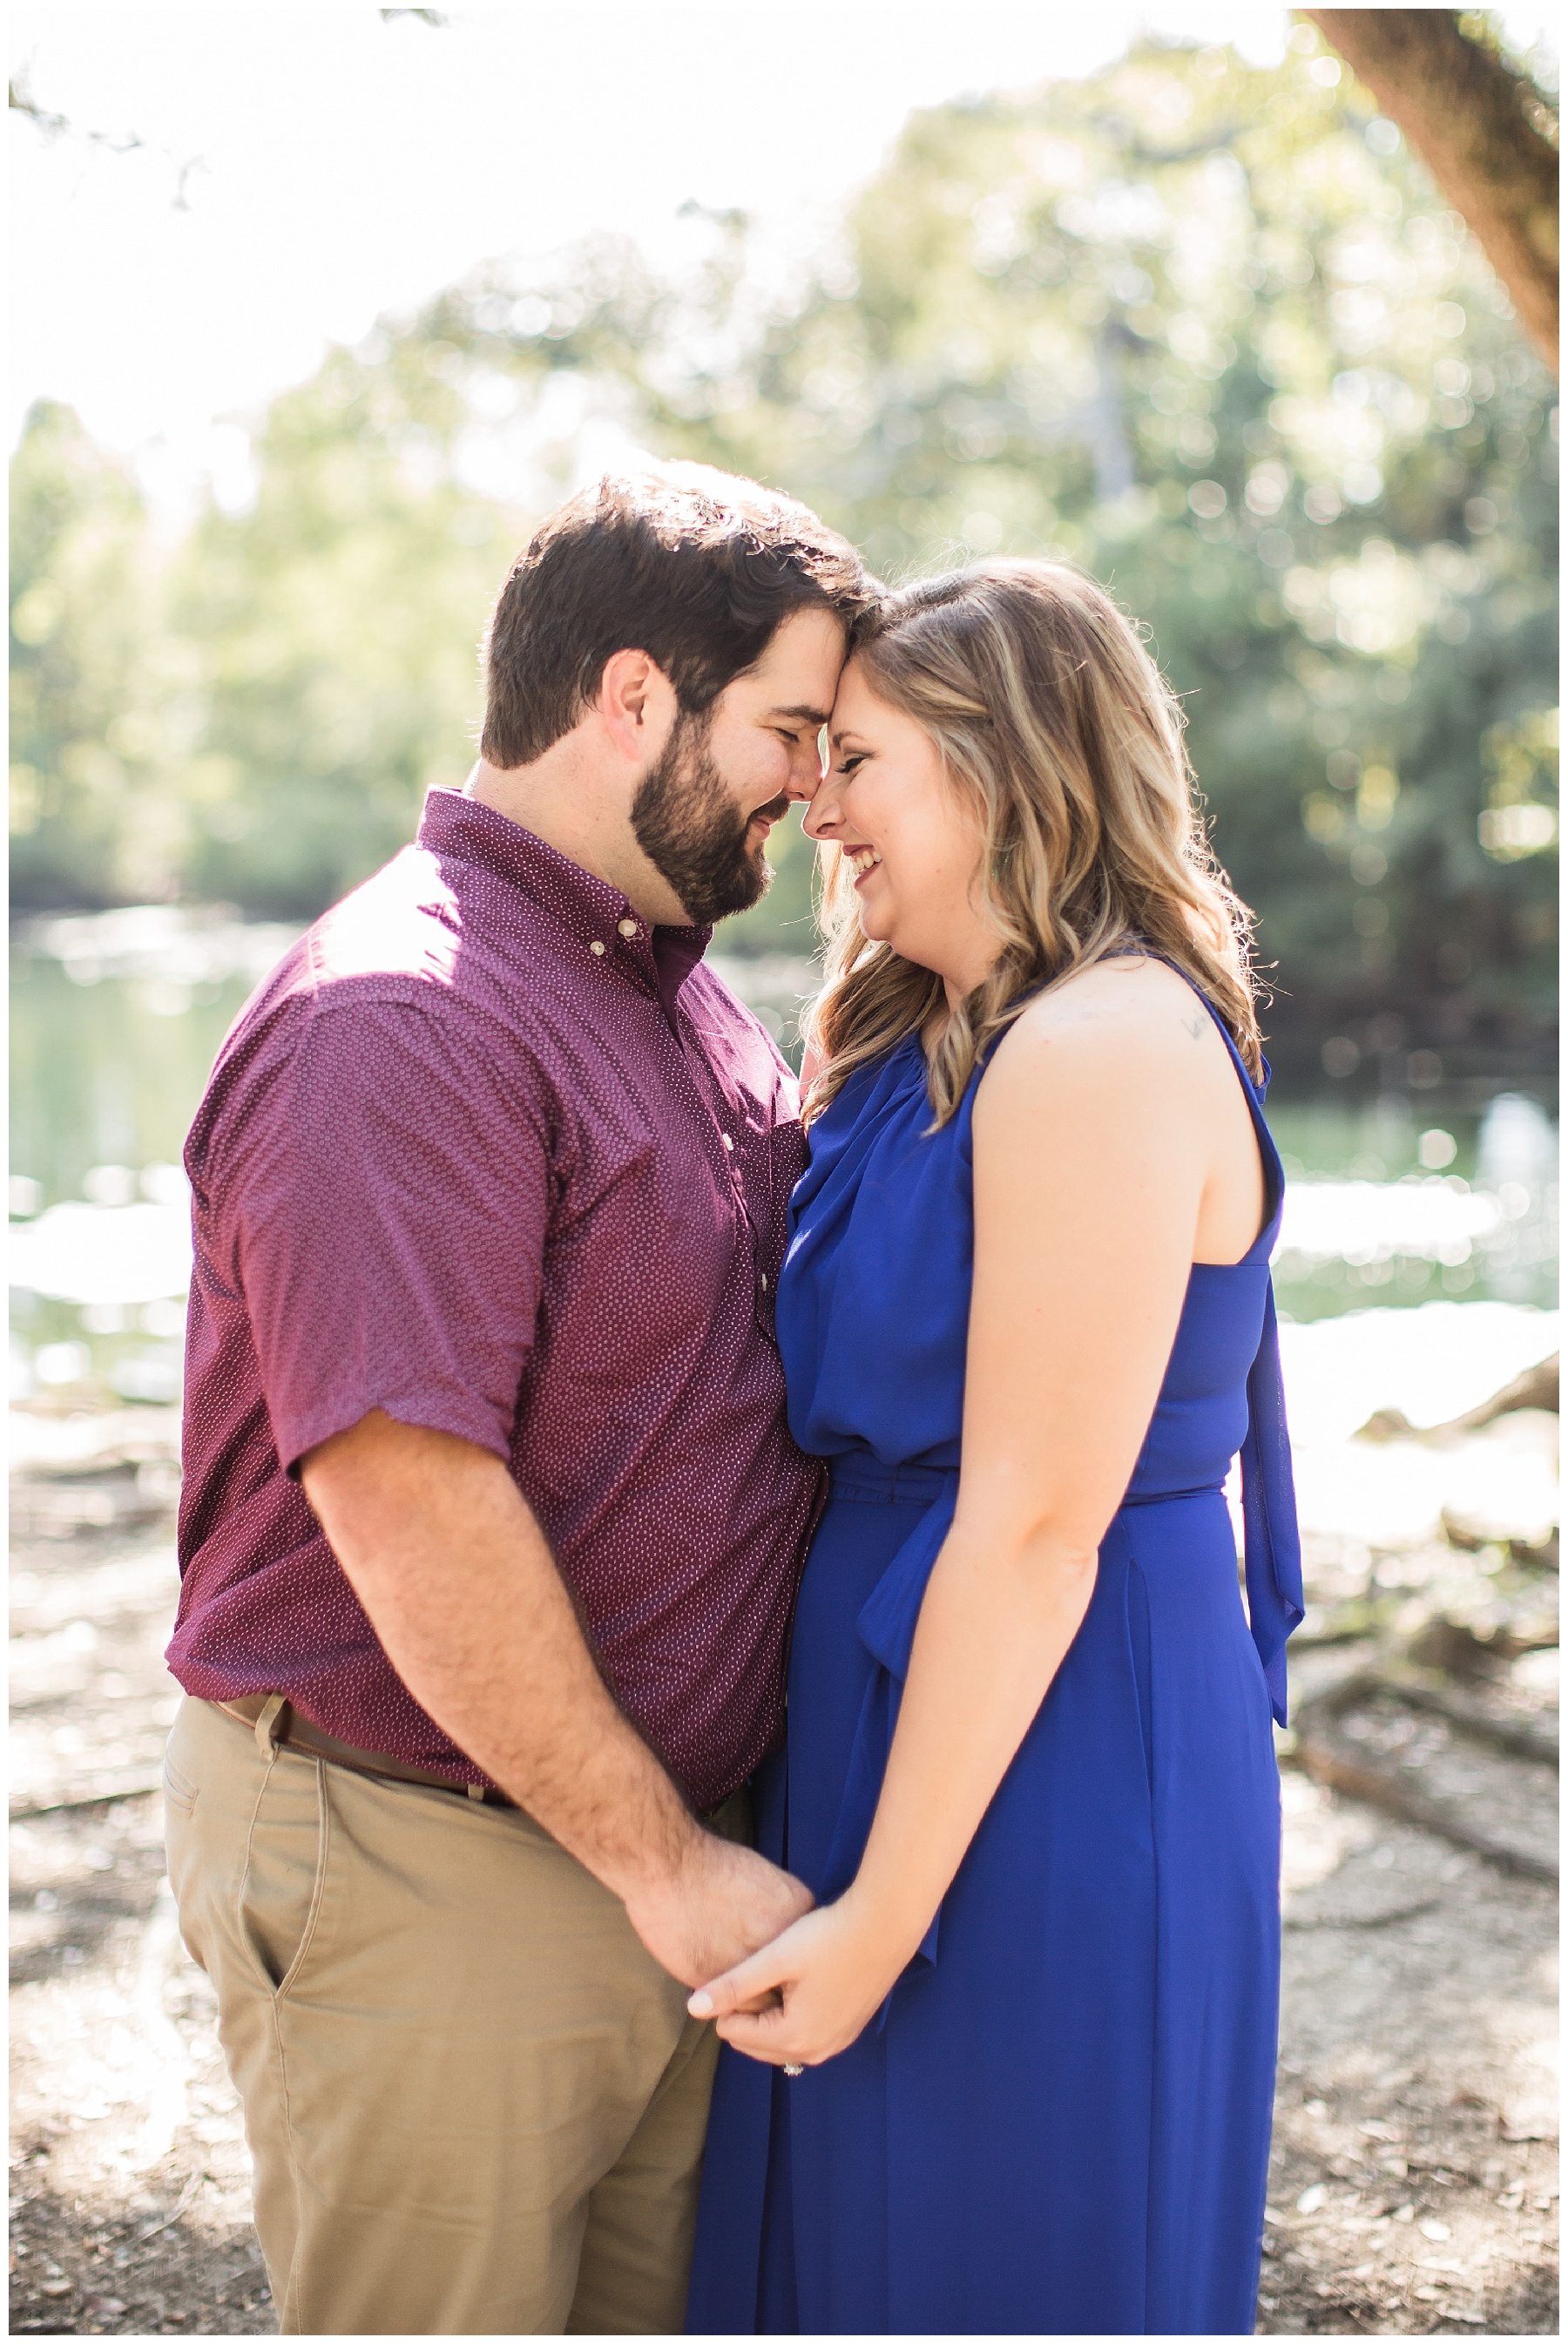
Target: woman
{"points": [[1015, 2073]]}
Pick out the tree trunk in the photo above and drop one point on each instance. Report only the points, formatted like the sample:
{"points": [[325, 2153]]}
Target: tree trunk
{"points": [[1466, 115]]}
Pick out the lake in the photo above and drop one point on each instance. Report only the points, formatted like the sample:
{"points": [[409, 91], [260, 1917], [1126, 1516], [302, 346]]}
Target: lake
{"points": [[116, 1017]]}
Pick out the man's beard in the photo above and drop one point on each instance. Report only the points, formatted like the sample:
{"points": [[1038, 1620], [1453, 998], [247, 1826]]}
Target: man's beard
{"points": [[693, 832]]}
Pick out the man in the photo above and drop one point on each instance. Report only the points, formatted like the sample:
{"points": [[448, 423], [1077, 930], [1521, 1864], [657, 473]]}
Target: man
{"points": [[491, 1520]]}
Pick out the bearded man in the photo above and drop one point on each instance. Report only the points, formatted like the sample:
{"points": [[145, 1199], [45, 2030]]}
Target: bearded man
{"points": [[492, 1520]]}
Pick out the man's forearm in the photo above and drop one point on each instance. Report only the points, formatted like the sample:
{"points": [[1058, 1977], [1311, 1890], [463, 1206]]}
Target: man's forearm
{"points": [[459, 1584]]}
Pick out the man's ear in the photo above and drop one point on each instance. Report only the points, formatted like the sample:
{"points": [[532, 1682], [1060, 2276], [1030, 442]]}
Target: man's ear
{"points": [[637, 706]]}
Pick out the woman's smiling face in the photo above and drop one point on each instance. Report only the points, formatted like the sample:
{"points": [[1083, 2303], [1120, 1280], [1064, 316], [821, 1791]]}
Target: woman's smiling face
{"points": [[914, 845]]}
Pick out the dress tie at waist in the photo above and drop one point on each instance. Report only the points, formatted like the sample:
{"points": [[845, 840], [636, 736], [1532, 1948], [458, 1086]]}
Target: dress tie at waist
{"points": [[859, 1473], [1169, 1497]]}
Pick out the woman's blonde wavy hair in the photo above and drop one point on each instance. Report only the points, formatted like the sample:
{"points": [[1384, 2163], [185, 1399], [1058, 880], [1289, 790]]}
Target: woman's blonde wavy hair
{"points": [[1053, 722]]}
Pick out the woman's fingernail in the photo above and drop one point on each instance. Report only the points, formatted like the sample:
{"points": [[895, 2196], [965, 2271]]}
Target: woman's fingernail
{"points": [[701, 2004]]}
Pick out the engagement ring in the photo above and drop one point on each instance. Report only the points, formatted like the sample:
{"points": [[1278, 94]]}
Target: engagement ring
{"points": [[791, 2070]]}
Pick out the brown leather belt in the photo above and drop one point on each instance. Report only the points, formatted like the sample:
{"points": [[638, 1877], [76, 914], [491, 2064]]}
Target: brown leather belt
{"points": [[288, 1730]]}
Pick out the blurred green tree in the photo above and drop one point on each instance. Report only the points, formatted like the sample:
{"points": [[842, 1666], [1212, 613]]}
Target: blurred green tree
{"points": [[338, 618], [1202, 326], [100, 708]]}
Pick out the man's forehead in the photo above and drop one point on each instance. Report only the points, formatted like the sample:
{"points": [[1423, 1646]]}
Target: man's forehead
{"points": [[807, 636], [798, 670]]}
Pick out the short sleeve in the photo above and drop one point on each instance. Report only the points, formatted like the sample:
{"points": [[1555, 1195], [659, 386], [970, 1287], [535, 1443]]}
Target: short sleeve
{"points": [[387, 1183]]}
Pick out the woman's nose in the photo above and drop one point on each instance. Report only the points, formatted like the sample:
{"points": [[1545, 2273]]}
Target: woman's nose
{"points": [[820, 818]]}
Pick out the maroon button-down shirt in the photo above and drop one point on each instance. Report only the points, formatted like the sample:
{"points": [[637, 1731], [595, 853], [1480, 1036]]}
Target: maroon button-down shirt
{"points": [[489, 1154]]}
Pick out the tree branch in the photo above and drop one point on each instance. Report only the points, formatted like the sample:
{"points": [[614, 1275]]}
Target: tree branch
{"points": [[1468, 117], [21, 100], [60, 125]]}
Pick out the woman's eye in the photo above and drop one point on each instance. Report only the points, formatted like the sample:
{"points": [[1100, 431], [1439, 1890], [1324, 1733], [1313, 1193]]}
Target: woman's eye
{"points": [[849, 764]]}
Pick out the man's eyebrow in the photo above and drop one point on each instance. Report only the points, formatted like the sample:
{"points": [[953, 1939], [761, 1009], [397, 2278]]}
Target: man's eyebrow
{"points": [[817, 716]]}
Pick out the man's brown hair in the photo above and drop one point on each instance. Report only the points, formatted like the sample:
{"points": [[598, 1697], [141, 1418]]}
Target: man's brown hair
{"points": [[696, 567]]}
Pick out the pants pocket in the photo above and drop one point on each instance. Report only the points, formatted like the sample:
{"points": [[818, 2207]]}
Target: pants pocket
{"points": [[179, 1791], [286, 1865]]}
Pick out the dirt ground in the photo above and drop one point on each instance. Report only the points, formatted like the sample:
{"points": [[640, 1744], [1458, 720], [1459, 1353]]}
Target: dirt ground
{"points": [[1413, 2189], [1414, 2176]]}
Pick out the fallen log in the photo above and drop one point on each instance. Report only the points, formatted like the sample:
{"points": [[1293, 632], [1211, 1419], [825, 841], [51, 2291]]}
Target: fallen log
{"points": [[1537, 1388], [1525, 1737], [1316, 1756], [1320, 1753]]}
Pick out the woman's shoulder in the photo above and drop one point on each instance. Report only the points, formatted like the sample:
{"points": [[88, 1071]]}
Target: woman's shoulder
{"points": [[1131, 1002], [1126, 1038]]}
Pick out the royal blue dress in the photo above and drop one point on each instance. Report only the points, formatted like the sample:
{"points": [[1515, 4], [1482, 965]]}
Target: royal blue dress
{"points": [[1059, 2123]]}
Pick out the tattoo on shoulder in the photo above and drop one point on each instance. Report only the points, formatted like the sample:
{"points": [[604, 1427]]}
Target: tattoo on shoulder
{"points": [[1194, 1021]]}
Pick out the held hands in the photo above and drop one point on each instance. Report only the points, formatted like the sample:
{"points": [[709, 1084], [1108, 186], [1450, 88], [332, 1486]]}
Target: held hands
{"points": [[718, 1903], [810, 1993]]}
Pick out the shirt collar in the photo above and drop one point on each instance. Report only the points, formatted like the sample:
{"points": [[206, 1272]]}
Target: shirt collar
{"points": [[590, 908]]}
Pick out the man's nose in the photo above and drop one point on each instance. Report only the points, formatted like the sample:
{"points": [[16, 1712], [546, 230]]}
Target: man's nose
{"points": [[823, 796], [806, 771]]}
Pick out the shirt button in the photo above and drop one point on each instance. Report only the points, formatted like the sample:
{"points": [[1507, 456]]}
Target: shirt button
{"points": [[627, 927], [728, 1143], [765, 1281], [597, 947]]}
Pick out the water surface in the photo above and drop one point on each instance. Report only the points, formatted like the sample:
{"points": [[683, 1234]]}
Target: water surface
{"points": [[116, 1017]]}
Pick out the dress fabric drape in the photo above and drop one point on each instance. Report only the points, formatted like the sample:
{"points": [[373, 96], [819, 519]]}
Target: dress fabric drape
{"points": [[1059, 2123]]}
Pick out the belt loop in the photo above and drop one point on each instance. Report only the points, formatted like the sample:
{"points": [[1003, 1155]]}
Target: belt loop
{"points": [[476, 1790], [265, 1725]]}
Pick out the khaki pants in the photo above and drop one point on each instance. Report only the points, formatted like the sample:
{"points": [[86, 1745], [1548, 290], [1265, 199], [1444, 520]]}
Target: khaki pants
{"points": [[475, 2103]]}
